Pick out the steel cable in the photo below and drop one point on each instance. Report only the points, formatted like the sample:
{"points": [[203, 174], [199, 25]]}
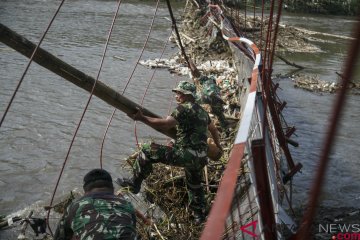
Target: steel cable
{"points": [[29, 63], [177, 32], [128, 81], [147, 88], [83, 113]]}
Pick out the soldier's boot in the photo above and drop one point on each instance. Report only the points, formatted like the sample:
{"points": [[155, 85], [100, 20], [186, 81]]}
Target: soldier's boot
{"points": [[218, 111], [142, 168], [134, 184], [222, 120], [197, 202], [199, 216]]}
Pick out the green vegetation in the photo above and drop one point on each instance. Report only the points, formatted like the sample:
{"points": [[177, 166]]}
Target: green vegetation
{"points": [[334, 7]]}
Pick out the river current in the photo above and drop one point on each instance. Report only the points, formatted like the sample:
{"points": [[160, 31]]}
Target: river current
{"points": [[37, 132]]}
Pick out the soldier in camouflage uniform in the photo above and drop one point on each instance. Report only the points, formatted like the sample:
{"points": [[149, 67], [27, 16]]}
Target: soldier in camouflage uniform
{"points": [[99, 214], [189, 150], [209, 94]]}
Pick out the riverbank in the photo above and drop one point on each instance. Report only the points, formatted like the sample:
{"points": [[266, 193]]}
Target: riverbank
{"points": [[324, 7]]}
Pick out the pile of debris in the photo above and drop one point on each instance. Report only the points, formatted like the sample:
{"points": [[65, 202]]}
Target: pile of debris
{"points": [[289, 38], [165, 187], [314, 84]]}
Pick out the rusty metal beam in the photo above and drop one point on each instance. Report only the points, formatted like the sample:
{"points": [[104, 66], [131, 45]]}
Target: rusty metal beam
{"points": [[263, 189]]}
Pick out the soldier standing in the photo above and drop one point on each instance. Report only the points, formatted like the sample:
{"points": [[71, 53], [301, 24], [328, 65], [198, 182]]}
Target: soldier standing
{"points": [[99, 214], [210, 94], [189, 151]]}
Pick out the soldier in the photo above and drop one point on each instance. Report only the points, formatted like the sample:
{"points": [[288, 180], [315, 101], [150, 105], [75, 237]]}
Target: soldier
{"points": [[209, 94], [99, 214], [189, 150]]}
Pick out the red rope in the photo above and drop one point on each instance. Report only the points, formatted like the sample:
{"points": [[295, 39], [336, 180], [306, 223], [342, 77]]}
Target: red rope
{"points": [[276, 33], [267, 49], [262, 25], [128, 81], [83, 114], [269, 53], [264, 74], [147, 88], [29, 63]]}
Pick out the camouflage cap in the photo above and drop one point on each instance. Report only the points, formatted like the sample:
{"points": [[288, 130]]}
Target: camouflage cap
{"points": [[186, 88]]}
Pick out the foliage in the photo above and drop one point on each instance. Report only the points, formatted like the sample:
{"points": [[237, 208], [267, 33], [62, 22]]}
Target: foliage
{"points": [[333, 7]]}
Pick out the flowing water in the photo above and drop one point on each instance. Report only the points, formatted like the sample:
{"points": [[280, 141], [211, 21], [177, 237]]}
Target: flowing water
{"points": [[39, 127], [37, 132], [310, 113]]}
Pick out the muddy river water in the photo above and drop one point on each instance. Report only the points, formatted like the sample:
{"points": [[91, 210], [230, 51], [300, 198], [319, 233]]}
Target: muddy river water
{"points": [[37, 132]]}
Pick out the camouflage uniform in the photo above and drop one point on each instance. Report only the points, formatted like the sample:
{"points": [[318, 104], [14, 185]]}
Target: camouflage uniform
{"points": [[210, 94], [189, 151], [98, 216]]}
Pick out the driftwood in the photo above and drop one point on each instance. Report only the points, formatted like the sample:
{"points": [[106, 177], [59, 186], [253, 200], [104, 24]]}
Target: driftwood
{"points": [[289, 63], [59, 67], [339, 74], [80, 79], [292, 73], [61, 206], [119, 58], [309, 32], [73, 75], [24, 226], [187, 37]]}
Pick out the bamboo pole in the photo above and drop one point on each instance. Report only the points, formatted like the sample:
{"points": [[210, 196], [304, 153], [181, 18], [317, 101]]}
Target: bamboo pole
{"points": [[80, 79]]}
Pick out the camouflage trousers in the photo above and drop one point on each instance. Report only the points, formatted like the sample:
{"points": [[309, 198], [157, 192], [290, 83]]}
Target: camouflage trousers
{"points": [[217, 109], [192, 161]]}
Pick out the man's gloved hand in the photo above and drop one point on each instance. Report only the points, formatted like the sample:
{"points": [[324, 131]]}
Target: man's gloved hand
{"points": [[138, 116]]}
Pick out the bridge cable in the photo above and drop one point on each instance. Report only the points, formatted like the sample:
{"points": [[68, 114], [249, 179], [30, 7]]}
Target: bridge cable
{"points": [[177, 33], [29, 63], [262, 26], [145, 92], [276, 32], [83, 114], [265, 68], [128, 81], [147, 87]]}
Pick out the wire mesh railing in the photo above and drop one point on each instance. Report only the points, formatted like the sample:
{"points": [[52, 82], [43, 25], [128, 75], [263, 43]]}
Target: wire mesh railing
{"points": [[256, 169]]}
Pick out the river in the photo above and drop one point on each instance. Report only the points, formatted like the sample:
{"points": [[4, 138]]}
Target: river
{"points": [[310, 113], [38, 129], [37, 132]]}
